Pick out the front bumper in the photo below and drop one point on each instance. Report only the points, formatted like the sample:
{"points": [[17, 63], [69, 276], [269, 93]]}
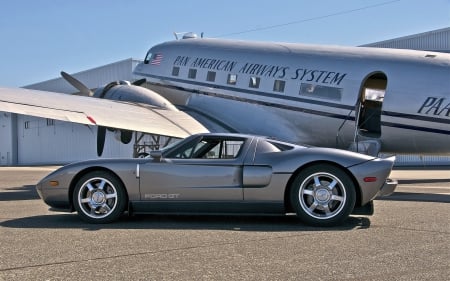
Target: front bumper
{"points": [[55, 197]]}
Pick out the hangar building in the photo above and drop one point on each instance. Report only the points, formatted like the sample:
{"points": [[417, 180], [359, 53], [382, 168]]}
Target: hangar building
{"points": [[26, 140], [436, 41]]}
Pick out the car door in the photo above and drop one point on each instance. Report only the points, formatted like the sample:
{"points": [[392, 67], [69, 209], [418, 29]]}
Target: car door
{"points": [[207, 169]]}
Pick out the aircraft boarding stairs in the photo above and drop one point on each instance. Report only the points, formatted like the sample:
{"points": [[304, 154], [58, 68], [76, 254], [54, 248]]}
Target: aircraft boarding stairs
{"points": [[367, 130], [369, 146], [366, 140]]}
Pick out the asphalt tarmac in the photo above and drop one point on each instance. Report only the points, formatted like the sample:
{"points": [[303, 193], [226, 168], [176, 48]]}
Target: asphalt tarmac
{"points": [[408, 238]]}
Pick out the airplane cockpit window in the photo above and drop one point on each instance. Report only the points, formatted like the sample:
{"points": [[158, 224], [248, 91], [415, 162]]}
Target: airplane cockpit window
{"points": [[148, 58], [321, 92]]}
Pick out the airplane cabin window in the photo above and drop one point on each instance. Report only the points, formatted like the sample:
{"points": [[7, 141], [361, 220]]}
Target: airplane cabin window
{"points": [[175, 71], [321, 92], [278, 86], [211, 76], [232, 79], [254, 82], [192, 73]]}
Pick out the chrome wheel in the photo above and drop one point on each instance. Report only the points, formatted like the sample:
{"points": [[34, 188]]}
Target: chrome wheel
{"points": [[323, 195], [99, 197]]}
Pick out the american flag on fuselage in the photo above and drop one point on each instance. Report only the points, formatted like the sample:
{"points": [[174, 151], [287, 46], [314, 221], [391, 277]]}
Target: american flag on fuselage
{"points": [[156, 59]]}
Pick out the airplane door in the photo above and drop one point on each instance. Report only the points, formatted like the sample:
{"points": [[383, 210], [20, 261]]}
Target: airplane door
{"points": [[370, 105]]}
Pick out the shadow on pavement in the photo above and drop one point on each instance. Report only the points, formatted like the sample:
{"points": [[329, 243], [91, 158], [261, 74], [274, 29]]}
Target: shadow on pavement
{"points": [[26, 192], [186, 222], [421, 181], [417, 197]]}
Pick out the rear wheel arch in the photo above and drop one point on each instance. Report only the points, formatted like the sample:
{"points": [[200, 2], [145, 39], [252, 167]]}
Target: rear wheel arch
{"points": [[322, 194], [287, 200]]}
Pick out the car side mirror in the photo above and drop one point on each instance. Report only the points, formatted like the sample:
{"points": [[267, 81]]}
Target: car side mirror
{"points": [[156, 154]]}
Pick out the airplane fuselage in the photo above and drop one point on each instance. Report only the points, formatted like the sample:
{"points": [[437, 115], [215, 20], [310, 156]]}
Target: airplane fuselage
{"points": [[324, 96]]}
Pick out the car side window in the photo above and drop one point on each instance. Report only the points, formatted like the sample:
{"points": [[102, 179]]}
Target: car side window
{"points": [[212, 148], [268, 146], [190, 151], [226, 149]]}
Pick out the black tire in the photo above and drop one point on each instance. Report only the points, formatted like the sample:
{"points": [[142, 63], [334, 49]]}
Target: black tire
{"points": [[323, 195], [99, 197], [143, 155]]}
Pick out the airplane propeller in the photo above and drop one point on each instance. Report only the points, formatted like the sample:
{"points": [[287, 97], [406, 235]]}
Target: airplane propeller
{"points": [[125, 135], [101, 136], [139, 82], [84, 91]]}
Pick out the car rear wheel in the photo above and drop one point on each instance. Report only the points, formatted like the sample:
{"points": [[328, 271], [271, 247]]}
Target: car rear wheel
{"points": [[99, 197], [323, 195]]}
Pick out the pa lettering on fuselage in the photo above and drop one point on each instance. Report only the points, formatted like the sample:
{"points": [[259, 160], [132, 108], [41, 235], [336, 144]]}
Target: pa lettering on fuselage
{"points": [[436, 106]]}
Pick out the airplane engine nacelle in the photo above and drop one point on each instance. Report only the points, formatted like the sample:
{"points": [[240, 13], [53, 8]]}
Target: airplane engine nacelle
{"points": [[120, 91], [131, 93]]}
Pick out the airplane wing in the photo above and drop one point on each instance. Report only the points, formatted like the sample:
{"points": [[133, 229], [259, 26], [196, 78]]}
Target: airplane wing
{"points": [[100, 112]]}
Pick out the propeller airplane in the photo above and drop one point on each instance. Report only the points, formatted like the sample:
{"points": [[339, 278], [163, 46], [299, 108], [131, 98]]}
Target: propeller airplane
{"points": [[369, 100]]}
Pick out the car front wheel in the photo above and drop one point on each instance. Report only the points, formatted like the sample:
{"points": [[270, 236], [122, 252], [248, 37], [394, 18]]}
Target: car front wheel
{"points": [[323, 195], [99, 197]]}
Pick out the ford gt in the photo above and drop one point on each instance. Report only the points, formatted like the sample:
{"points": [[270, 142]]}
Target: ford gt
{"points": [[223, 173]]}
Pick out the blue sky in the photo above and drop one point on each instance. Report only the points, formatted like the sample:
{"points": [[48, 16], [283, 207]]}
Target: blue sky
{"points": [[41, 38]]}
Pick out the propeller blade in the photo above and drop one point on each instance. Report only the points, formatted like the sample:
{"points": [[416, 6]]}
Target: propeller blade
{"points": [[85, 91], [101, 135], [139, 82]]}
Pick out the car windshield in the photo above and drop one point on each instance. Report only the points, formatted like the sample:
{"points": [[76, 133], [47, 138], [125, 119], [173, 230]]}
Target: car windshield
{"points": [[171, 145]]}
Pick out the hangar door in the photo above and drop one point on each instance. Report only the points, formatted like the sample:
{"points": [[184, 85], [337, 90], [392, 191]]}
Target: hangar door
{"points": [[48, 141]]}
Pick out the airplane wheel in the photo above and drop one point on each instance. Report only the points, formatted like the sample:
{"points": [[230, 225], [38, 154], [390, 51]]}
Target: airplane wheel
{"points": [[99, 197], [323, 195], [143, 155]]}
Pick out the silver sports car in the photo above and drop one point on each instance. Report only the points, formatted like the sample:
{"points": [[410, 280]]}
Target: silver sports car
{"points": [[224, 173]]}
